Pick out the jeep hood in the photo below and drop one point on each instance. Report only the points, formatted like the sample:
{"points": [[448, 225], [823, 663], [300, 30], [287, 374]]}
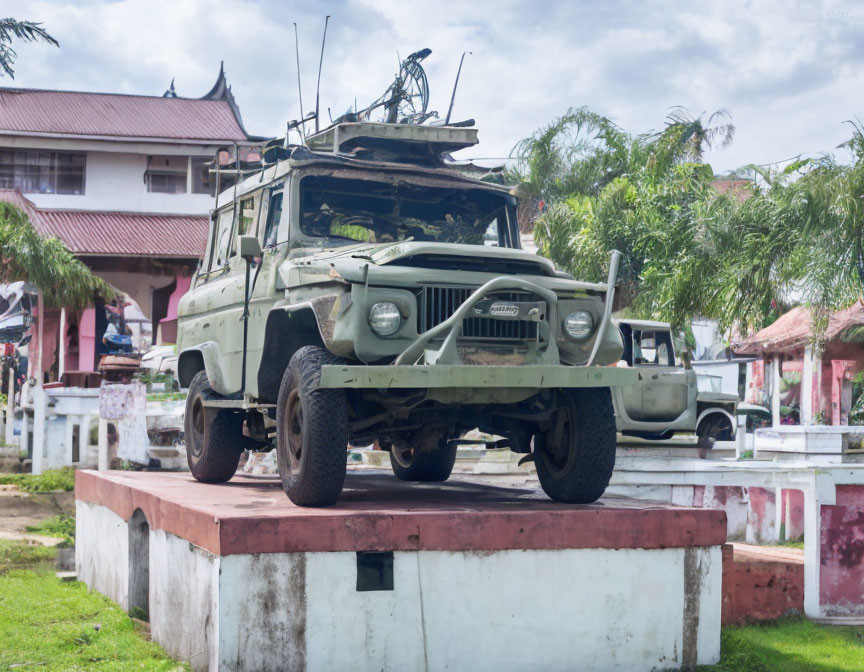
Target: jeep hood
{"points": [[416, 252]]}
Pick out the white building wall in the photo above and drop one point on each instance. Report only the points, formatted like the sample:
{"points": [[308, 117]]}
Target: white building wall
{"points": [[115, 182]]}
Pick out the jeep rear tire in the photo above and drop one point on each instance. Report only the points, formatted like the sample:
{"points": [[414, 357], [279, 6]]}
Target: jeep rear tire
{"points": [[311, 431], [214, 438], [427, 458], [576, 455], [714, 427]]}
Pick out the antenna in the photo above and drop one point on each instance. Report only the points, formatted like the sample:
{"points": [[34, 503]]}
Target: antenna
{"points": [[320, 61], [299, 88], [455, 84]]}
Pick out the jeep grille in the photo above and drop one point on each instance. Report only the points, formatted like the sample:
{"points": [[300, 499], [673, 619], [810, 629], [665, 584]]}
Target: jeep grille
{"points": [[436, 304]]}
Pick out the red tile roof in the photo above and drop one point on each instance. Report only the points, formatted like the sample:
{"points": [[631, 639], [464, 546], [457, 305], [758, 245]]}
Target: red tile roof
{"points": [[114, 115], [125, 234], [792, 331]]}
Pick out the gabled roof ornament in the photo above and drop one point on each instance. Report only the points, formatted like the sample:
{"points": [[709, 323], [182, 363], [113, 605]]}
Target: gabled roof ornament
{"points": [[221, 91], [170, 92]]}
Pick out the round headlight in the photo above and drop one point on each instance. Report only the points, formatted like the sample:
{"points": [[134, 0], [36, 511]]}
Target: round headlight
{"points": [[384, 318], [578, 325]]}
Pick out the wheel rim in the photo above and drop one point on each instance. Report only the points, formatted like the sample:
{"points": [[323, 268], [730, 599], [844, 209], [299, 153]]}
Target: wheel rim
{"points": [[291, 440], [404, 456], [559, 447], [197, 442]]}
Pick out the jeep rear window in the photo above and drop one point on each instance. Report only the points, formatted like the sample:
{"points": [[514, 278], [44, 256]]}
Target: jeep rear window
{"points": [[346, 211]]}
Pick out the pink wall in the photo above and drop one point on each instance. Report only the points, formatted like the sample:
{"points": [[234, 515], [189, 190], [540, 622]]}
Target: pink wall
{"points": [[87, 340], [183, 284], [841, 579], [793, 513]]}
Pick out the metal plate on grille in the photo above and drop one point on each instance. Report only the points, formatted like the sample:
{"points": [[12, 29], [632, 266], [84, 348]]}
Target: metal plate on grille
{"points": [[514, 319]]}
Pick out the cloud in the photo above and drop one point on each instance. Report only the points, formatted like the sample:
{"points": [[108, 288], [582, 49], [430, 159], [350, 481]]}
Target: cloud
{"points": [[788, 72]]}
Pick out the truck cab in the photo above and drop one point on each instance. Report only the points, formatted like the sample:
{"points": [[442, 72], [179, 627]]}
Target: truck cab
{"points": [[668, 399]]}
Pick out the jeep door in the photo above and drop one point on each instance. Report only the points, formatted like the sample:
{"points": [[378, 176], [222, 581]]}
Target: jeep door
{"points": [[214, 315], [668, 392], [273, 231]]}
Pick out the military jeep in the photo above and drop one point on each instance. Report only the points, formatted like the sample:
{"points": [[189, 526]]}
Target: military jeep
{"points": [[359, 289], [668, 400]]}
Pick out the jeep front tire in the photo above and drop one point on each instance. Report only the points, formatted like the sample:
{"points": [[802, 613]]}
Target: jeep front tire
{"points": [[214, 438], [576, 454], [311, 431]]}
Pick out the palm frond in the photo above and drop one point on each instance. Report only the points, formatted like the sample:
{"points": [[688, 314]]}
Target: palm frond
{"points": [[26, 31], [46, 262]]}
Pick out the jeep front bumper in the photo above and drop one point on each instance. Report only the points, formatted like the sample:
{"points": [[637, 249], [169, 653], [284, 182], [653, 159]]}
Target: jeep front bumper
{"points": [[419, 368], [425, 376]]}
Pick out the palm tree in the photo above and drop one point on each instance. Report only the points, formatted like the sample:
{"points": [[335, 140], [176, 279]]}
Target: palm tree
{"points": [[45, 262], [579, 152], [691, 136], [26, 31]]}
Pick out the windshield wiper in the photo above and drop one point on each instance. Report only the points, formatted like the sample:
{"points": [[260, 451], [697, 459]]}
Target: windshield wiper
{"points": [[386, 246]]}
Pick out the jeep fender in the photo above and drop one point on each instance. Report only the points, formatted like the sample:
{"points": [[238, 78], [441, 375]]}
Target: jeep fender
{"points": [[205, 356], [288, 328], [712, 410]]}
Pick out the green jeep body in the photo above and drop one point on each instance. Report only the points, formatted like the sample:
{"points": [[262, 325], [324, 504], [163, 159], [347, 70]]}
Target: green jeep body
{"points": [[478, 340]]}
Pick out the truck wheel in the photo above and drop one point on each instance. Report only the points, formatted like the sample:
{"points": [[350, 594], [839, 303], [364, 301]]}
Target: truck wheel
{"points": [[429, 458], [714, 427], [311, 431], [576, 455], [214, 439]]}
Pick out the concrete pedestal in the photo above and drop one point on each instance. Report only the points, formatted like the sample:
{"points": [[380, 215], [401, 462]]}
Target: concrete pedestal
{"points": [[402, 576]]}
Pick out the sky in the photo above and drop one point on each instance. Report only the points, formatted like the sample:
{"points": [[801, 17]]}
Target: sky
{"points": [[788, 72]]}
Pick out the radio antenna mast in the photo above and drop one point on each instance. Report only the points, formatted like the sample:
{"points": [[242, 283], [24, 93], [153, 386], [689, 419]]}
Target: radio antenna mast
{"points": [[299, 88], [455, 84], [320, 61]]}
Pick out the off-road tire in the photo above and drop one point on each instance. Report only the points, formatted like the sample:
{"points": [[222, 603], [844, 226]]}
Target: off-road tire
{"points": [[430, 458], [714, 427], [578, 470], [214, 438], [315, 421]]}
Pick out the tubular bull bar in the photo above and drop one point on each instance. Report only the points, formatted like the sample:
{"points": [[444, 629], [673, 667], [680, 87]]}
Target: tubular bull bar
{"points": [[443, 368]]}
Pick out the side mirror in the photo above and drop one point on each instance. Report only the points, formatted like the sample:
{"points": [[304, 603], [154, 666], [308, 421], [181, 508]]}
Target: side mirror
{"points": [[250, 247]]}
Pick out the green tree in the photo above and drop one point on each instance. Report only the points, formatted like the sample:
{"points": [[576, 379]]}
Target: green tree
{"points": [[26, 31], [45, 262], [689, 250]]}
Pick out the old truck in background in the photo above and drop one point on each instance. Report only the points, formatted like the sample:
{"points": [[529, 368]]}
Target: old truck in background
{"points": [[668, 399]]}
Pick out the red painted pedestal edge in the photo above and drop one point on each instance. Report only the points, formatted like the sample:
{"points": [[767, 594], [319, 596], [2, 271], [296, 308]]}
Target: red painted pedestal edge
{"points": [[379, 513]]}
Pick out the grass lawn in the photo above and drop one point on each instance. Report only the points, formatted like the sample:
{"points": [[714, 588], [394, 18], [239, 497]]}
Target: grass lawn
{"points": [[791, 645], [48, 481], [46, 624], [62, 526]]}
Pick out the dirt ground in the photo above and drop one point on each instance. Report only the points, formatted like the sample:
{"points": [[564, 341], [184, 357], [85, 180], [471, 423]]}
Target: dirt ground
{"points": [[19, 509]]}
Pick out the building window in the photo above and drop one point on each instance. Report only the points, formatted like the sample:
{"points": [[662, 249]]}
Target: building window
{"points": [[203, 182], [38, 172], [166, 174]]}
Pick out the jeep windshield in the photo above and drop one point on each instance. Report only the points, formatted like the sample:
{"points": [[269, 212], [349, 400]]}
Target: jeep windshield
{"points": [[345, 211]]}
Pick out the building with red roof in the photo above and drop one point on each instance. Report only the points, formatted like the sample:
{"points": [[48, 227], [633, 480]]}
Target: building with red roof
{"points": [[124, 182]]}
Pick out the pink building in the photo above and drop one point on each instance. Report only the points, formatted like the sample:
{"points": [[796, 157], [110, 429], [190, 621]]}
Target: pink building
{"points": [[787, 349], [123, 181]]}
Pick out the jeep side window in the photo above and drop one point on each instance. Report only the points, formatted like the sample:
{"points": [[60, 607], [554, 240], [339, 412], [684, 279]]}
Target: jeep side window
{"points": [[223, 240], [653, 348], [665, 351], [274, 216], [247, 217]]}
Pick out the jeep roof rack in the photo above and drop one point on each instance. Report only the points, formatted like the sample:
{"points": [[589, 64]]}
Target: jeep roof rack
{"points": [[405, 142]]}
